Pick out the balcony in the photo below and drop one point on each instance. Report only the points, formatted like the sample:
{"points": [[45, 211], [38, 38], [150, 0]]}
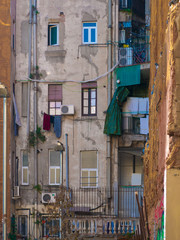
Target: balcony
{"points": [[137, 54], [95, 214]]}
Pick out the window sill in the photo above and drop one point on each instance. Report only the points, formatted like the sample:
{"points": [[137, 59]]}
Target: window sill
{"points": [[55, 51]]}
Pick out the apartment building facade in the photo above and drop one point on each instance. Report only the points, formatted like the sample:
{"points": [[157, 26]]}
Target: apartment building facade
{"points": [[66, 56]]}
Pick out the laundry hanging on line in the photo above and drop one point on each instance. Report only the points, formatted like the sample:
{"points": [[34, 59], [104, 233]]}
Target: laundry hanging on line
{"points": [[55, 120]]}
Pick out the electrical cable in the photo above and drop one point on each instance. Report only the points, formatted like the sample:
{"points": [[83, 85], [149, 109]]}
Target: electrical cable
{"points": [[65, 81]]}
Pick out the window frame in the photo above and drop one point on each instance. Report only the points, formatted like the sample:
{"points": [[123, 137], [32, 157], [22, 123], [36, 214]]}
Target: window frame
{"points": [[89, 89], [58, 100], [124, 3], [89, 170], [89, 28], [44, 227], [49, 34], [55, 167], [26, 225], [25, 168]]}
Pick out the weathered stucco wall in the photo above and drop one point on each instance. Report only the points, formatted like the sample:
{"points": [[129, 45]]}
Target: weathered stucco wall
{"points": [[5, 77], [69, 61], [162, 149]]}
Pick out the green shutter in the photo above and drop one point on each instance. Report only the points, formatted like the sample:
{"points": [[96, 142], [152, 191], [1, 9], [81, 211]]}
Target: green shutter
{"points": [[53, 30], [129, 75]]}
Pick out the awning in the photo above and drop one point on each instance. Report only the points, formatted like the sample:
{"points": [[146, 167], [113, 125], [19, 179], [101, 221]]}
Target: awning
{"points": [[128, 75], [113, 116]]}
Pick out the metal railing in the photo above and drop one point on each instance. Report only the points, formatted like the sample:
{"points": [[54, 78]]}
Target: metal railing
{"points": [[95, 202], [136, 54]]}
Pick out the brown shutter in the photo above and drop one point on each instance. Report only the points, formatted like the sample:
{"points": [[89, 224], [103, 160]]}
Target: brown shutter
{"points": [[89, 85], [55, 92]]}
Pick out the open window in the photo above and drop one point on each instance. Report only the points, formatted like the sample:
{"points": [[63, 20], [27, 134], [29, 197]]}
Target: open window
{"points": [[53, 34]]}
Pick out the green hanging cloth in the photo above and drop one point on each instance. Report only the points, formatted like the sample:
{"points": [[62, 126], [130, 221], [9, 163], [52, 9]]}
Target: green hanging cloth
{"points": [[114, 114]]}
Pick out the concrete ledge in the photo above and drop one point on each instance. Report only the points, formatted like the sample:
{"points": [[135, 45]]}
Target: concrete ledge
{"points": [[55, 53]]}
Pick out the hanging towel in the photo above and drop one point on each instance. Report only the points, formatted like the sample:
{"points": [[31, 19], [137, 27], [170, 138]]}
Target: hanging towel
{"points": [[57, 126], [46, 122]]}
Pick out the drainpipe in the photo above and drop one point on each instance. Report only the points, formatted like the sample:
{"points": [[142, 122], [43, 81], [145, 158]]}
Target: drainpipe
{"points": [[29, 65], [67, 163], [4, 169], [109, 95], [35, 112]]}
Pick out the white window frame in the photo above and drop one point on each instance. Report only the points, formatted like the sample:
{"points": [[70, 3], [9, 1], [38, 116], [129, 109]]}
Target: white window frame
{"points": [[124, 3], [49, 34], [55, 167], [89, 33], [24, 183], [89, 170]]}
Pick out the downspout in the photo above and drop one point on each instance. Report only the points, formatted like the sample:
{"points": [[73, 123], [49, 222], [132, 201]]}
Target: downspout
{"points": [[109, 95], [67, 163], [35, 112], [4, 168], [29, 65]]}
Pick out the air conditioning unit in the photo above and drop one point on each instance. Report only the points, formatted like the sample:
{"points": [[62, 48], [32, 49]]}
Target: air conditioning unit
{"points": [[48, 197], [125, 56], [16, 191], [67, 110]]}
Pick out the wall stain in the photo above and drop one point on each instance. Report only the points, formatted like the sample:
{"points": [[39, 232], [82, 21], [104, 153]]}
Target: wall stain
{"points": [[88, 139]]}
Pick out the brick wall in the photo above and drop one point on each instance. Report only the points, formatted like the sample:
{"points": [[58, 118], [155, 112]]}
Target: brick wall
{"points": [[5, 78]]}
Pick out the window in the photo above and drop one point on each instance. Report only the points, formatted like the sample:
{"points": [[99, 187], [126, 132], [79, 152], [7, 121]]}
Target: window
{"points": [[89, 169], [22, 225], [89, 33], [89, 99], [50, 228], [122, 36], [124, 3], [24, 99], [55, 167], [25, 168], [53, 34], [54, 98]]}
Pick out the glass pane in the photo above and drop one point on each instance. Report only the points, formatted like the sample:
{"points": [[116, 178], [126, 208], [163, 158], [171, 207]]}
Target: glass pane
{"points": [[85, 103], [89, 24], [58, 175], [58, 104], [85, 92], [93, 178], [25, 159], [89, 159], [58, 112], [54, 158], [52, 104], [85, 35], [85, 110], [52, 111], [93, 35], [53, 30], [25, 175], [84, 179], [93, 102], [93, 93], [52, 176], [93, 110]]}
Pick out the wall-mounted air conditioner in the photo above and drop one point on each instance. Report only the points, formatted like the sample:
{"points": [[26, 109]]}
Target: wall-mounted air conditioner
{"points": [[16, 191], [48, 197], [125, 56], [67, 110]]}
